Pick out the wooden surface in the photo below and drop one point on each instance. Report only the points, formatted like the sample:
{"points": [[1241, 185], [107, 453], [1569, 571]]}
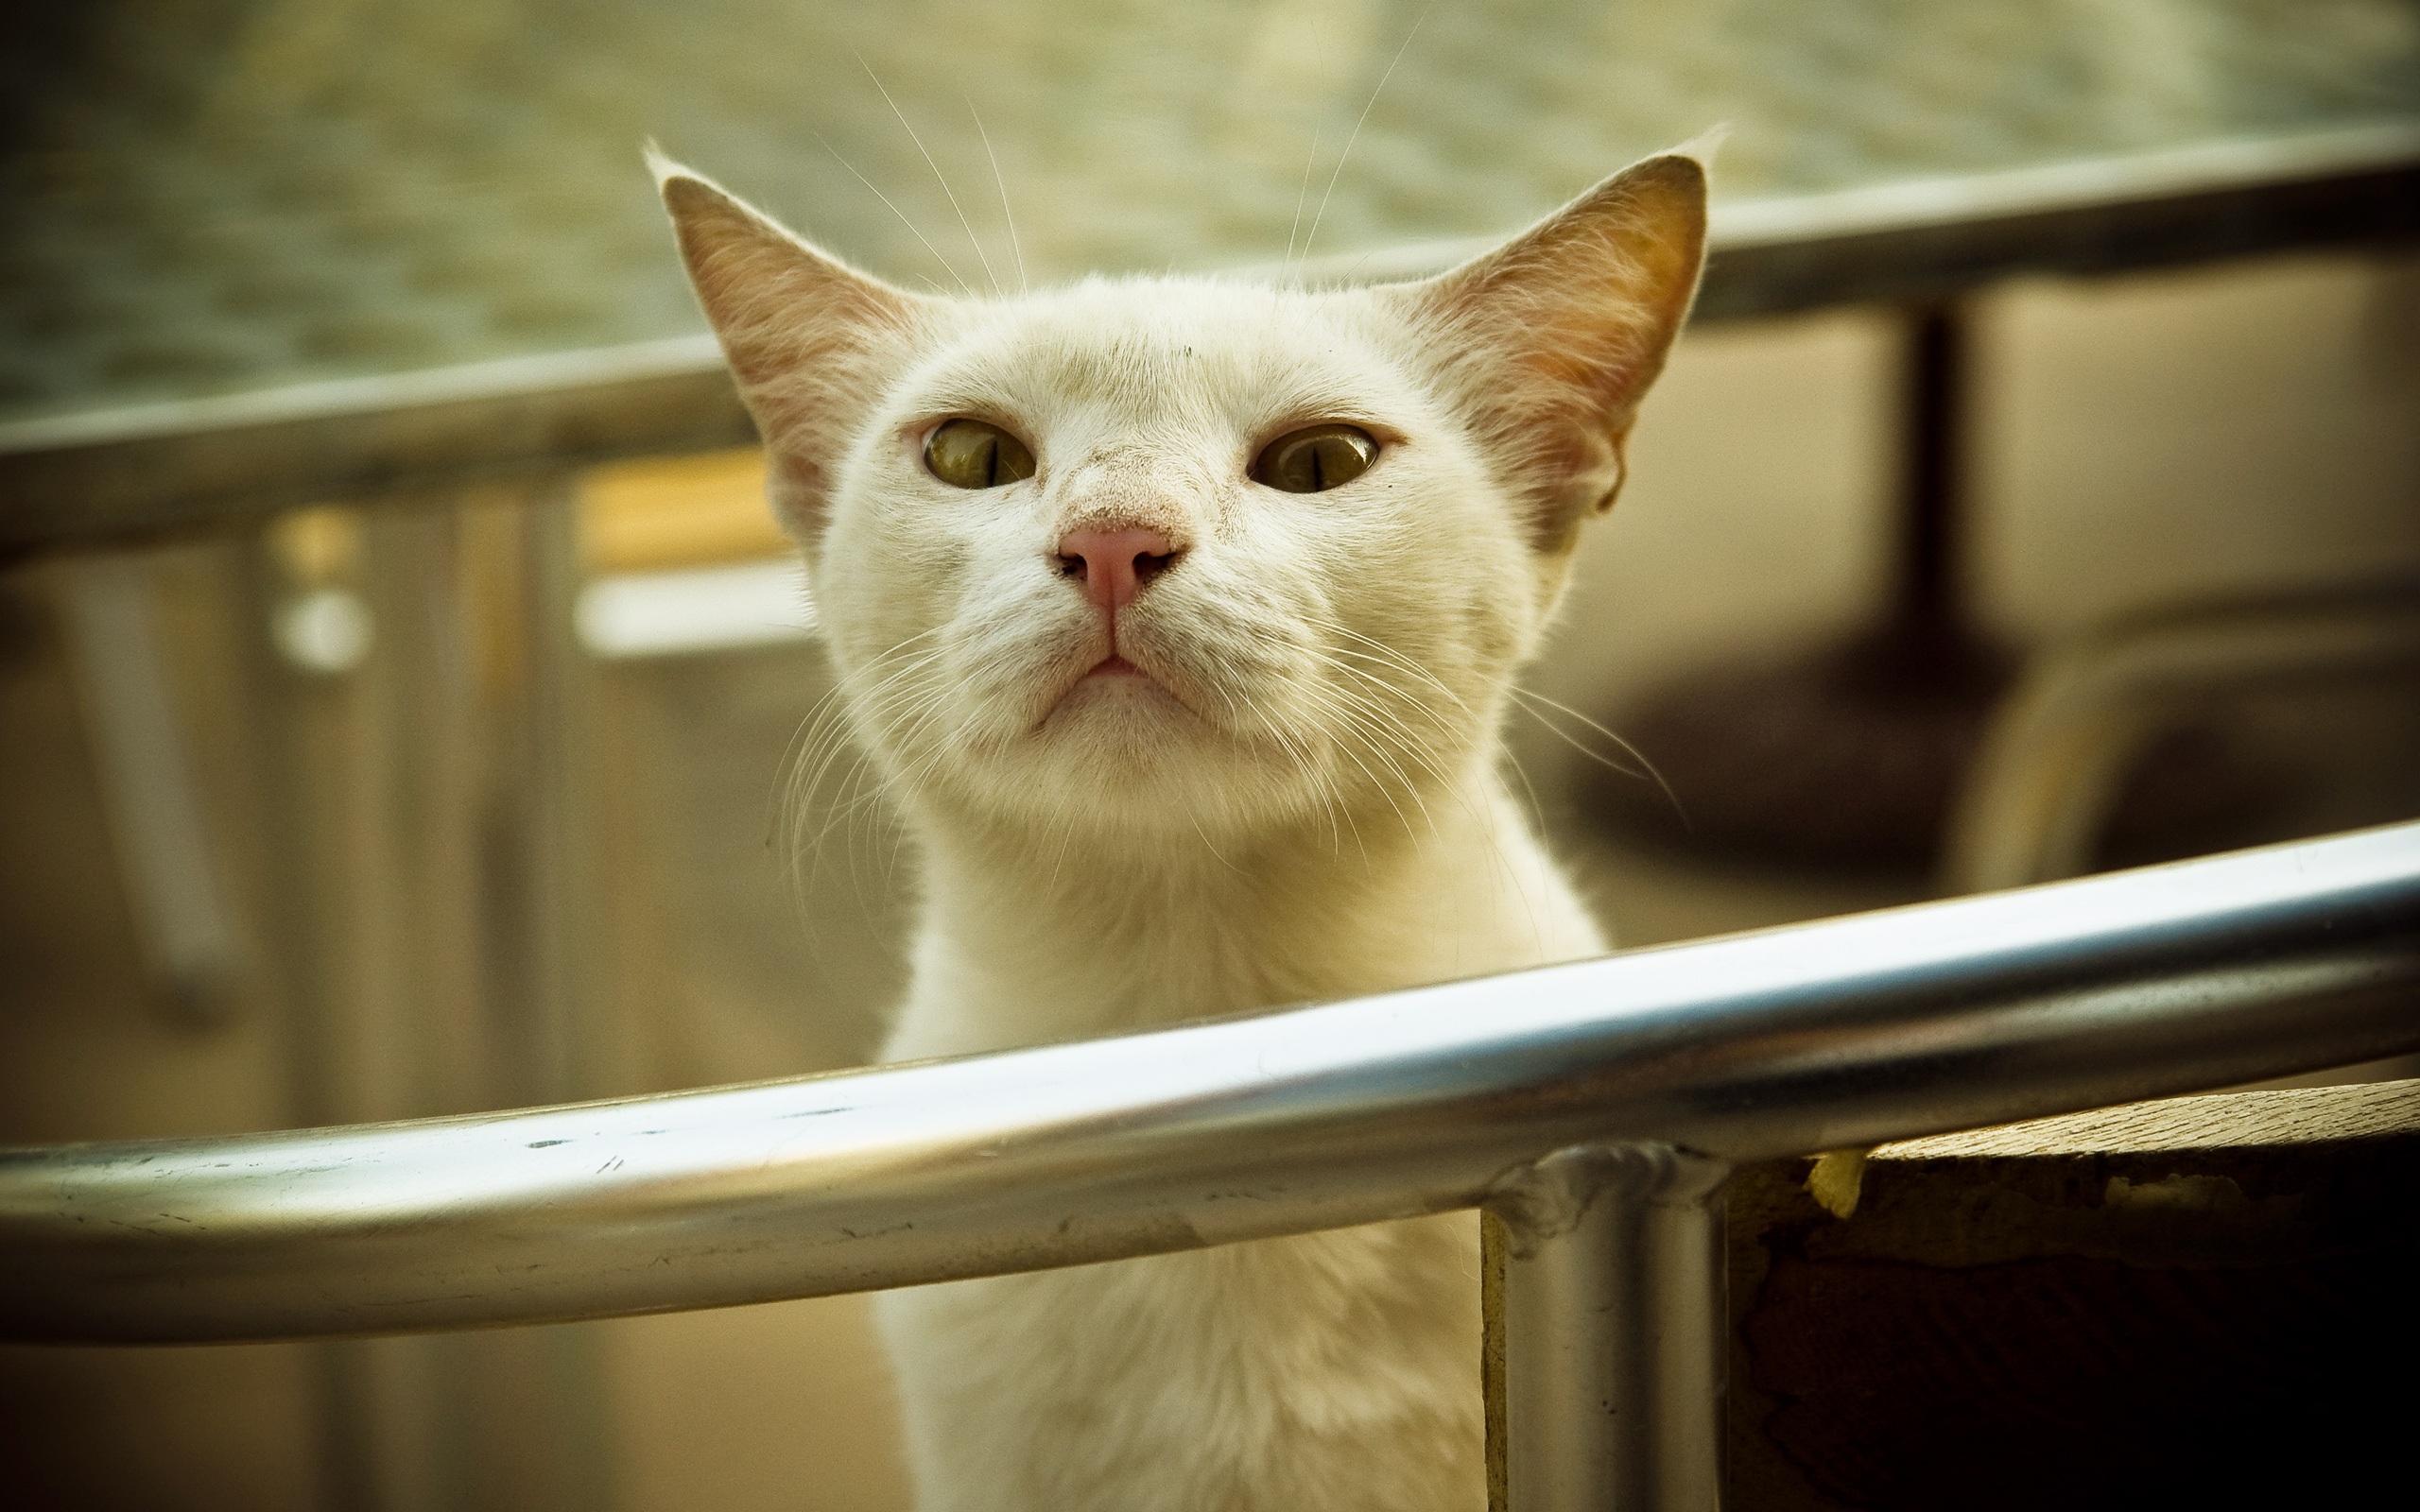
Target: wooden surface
{"points": [[2203, 1302]]}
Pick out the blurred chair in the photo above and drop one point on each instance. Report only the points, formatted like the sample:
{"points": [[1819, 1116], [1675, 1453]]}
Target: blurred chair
{"points": [[2055, 758]]}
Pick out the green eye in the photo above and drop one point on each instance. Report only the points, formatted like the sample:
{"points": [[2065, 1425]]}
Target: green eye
{"points": [[1316, 460], [972, 455]]}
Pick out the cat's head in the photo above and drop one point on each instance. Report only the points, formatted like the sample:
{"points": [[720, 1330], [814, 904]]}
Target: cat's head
{"points": [[1080, 566]]}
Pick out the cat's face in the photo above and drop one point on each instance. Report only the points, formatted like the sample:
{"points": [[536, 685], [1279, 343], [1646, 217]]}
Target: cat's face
{"points": [[1150, 633], [1288, 649]]}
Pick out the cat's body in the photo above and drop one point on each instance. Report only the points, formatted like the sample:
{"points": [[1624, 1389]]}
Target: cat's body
{"points": [[1177, 737], [1337, 1371]]}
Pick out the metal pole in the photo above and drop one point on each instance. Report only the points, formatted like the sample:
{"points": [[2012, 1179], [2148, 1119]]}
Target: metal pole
{"points": [[158, 820], [1610, 1322], [451, 953]]}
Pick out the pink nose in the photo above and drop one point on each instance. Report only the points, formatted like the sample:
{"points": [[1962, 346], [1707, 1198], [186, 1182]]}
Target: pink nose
{"points": [[1115, 564]]}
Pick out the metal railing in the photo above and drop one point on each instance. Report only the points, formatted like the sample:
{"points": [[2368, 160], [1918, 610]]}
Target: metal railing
{"points": [[1592, 1109]]}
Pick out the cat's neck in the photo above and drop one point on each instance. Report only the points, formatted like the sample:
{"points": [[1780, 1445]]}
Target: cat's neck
{"points": [[1028, 937]]}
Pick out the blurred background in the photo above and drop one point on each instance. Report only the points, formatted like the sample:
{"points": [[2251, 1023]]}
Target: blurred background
{"points": [[400, 680]]}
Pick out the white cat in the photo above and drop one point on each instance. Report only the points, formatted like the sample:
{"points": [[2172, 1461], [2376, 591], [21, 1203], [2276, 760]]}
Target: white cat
{"points": [[1178, 615]]}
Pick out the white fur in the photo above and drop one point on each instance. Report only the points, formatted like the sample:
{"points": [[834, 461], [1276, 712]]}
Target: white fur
{"points": [[1300, 802]]}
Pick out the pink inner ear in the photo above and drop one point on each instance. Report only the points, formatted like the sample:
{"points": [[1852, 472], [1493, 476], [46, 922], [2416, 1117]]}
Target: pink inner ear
{"points": [[1568, 324], [810, 340]]}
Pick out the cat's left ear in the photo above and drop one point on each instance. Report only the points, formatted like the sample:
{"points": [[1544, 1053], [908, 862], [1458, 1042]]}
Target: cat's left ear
{"points": [[1552, 339], [810, 340]]}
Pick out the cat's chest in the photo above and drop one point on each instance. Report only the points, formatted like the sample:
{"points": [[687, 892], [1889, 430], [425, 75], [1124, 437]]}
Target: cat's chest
{"points": [[965, 997], [1000, 963], [1337, 1370]]}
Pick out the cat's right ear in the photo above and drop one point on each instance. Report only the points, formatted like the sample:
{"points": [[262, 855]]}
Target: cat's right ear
{"points": [[810, 340]]}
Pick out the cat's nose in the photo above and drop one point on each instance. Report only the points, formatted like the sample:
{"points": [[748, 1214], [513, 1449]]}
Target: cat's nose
{"points": [[1115, 564]]}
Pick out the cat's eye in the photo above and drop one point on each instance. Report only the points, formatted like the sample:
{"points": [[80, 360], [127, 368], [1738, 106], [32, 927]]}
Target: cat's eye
{"points": [[973, 454], [1315, 459]]}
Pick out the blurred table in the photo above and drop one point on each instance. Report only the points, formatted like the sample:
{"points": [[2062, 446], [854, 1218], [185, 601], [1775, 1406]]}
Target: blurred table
{"points": [[272, 252]]}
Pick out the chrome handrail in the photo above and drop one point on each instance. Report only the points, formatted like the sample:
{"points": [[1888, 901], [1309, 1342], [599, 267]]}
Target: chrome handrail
{"points": [[1849, 1031], [1594, 1110]]}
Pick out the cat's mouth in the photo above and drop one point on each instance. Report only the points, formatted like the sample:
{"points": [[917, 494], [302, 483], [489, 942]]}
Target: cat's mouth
{"points": [[1115, 678]]}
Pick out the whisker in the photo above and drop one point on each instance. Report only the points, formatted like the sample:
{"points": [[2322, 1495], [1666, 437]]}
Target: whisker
{"points": [[1530, 702], [824, 738], [946, 191], [1646, 768], [1381, 651], [1335, 657], [1397, 733], [1300, 195], [1006, 214], [1195, 816], [945, 263], [1066, 838], [1395, 730], [1380, 786], [909, 700], [1356, 133], [1537, 808], [1331, 802]]}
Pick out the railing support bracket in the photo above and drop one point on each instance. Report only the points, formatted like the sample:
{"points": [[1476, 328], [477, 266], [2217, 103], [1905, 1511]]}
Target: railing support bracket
{"points": [[1605, 1332]]}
